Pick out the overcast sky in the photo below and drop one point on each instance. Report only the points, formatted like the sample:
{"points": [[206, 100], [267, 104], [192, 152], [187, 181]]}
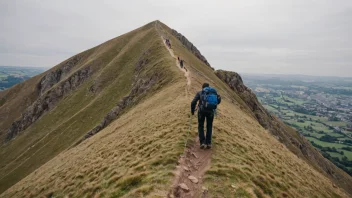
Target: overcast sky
{"points": [[312, 37]]}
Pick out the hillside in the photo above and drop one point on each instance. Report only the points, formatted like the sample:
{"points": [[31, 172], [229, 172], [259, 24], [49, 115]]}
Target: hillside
{"points": [[114, 120]]}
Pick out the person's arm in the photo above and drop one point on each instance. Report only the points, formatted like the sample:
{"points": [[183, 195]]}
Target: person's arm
{"points": [[219, 99], [194, 103]]}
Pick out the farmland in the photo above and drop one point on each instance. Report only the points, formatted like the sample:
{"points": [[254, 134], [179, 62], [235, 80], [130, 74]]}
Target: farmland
{"points": [[10, 76], [319, 108]]}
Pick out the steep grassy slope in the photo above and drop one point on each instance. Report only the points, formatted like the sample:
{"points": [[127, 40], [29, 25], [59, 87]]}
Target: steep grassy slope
{"points": [[136, 155], [280, 131], [113, 67]]}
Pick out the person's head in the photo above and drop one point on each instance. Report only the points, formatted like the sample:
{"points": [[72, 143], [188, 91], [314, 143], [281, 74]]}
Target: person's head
{"points": [[205, 85]]}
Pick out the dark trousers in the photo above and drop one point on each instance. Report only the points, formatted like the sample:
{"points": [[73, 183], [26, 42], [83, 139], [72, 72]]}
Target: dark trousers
{"points": [[201, 118]]}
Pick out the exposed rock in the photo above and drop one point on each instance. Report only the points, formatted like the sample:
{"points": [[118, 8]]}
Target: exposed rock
{"points": [[142, 61], [194, 155], [184, 187], [190, 47], [204, 189], [53, 77], [139, 89], [185, 168], [48, 100], [235, 82], [193, 179], [333, 185]]}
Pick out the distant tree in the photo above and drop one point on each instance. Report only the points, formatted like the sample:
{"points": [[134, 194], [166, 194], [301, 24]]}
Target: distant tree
{"points": [[347, 148], [344, 159], [328, 138], [333, 118]]}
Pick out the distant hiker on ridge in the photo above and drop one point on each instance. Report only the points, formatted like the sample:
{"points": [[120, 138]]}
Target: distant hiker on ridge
{"points": [[208, 101], [167, 41], [181, 63]]}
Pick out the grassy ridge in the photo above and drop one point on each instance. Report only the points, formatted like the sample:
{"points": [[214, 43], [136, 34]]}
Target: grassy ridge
{"points": [[136, 155], [245, 155], [78, 112], [133, 156]]}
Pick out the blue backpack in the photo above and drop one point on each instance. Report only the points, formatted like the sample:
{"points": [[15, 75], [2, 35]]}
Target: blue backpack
{"points": [[209, 99]]}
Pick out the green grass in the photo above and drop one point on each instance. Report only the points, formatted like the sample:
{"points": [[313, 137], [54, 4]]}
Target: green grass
{"points": [[339, 124], [296, 100], [325, 144], [270, 108], [333, 154], [240, 192], [316, 135], [348, 154], [345, 138]]}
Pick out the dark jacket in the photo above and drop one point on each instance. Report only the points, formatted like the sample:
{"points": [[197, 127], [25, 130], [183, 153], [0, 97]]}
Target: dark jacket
{"points": [[197, 98]]}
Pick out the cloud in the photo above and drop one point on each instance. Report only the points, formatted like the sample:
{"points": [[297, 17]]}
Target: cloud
{"points": [[272, 36]]}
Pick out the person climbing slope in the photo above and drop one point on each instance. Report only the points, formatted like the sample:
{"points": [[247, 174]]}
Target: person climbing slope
{"points": [[208, 101], [167, 41]]}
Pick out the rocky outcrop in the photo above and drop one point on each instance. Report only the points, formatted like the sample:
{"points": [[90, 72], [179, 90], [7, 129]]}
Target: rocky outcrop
{"points": [[285, 134], [235, 82], [190, 47], [139, 89], [53, 77], [142, 61], [49, 99]]}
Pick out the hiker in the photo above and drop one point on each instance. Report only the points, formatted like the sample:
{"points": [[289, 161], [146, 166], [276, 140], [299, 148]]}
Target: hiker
{"points": [[208, 101], [167, 41], [181, 63], [169, 44]]}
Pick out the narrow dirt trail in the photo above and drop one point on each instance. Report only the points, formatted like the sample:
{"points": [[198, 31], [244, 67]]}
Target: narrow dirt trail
{"points": [[190, 171], [187, 73], [195, 161]]}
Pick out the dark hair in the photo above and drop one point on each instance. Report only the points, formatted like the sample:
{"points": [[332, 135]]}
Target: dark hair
{"points": [[205, 85]]}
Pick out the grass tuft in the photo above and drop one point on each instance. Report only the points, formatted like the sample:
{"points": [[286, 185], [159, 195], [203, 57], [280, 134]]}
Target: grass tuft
{"points": [[263, 184], [258, 193], [242, 193]]}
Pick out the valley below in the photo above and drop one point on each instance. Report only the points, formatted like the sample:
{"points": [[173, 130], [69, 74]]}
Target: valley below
{"points": [[319, 108]]}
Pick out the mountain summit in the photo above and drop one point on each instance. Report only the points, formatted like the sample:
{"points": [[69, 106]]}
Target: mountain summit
{"points": [[114, 121]]}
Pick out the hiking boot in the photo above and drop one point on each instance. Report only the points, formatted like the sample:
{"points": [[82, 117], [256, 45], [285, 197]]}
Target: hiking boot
{"points": [[209, 146], [203, 146]]}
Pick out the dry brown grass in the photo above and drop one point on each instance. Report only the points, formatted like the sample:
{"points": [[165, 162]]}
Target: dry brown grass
{"points": [[81, 110], [135, 156]]}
